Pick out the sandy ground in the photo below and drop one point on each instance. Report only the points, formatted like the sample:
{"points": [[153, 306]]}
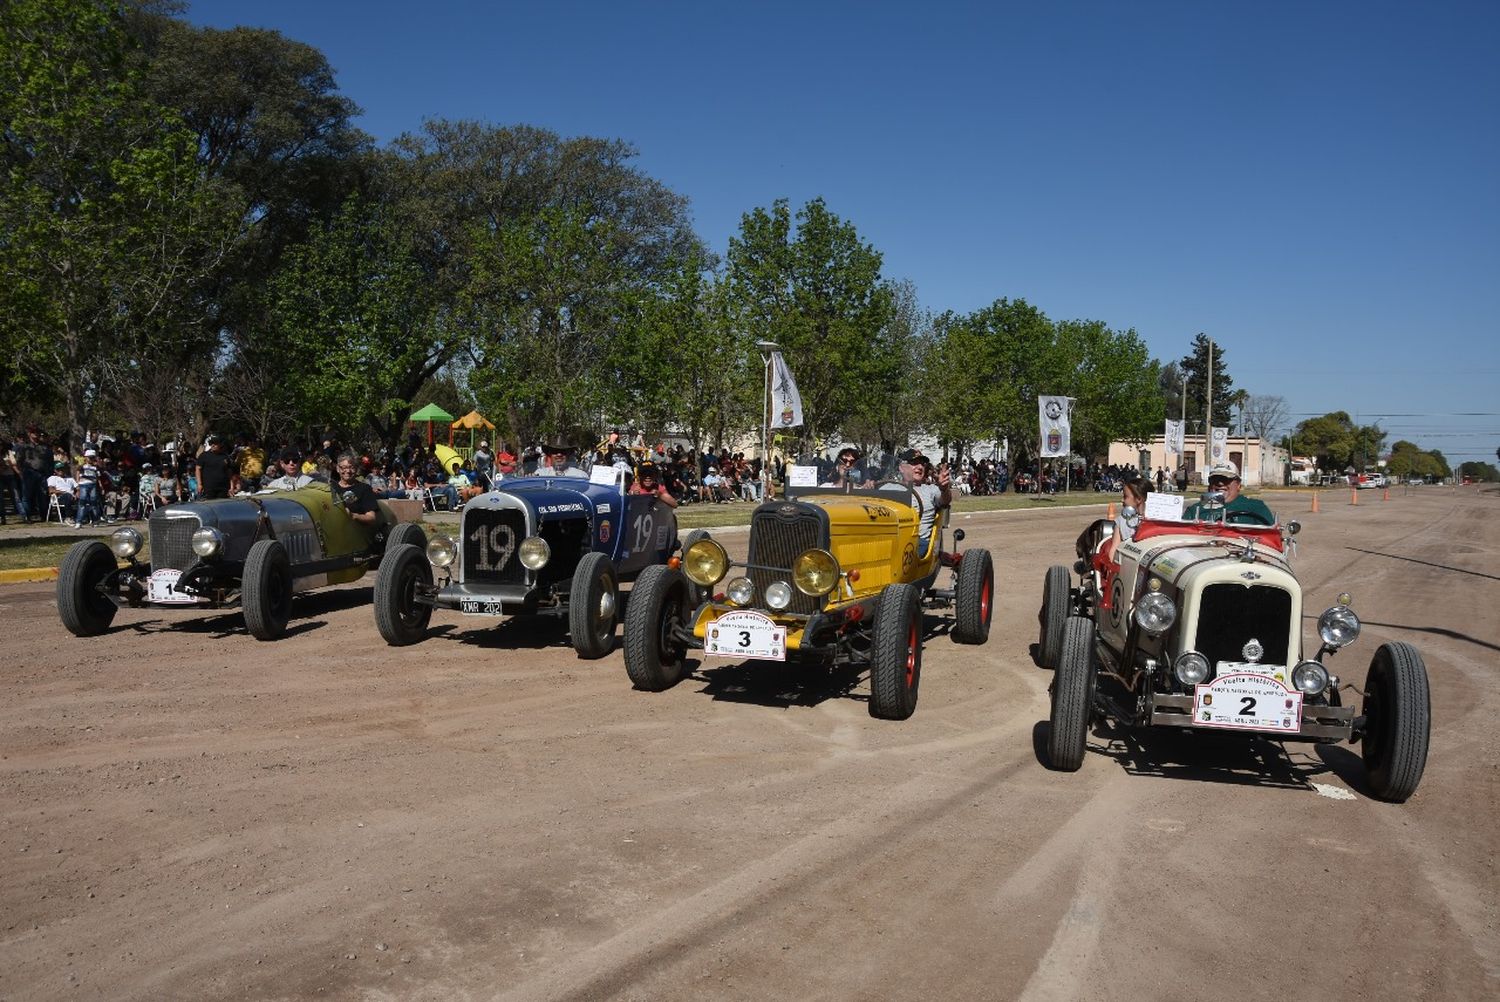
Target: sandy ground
{"points": [[188, 813]]}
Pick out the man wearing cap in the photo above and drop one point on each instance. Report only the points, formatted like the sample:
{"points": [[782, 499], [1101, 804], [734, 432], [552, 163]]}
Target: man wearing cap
{"points": [[484, 465], [1238, 509], [289, 473], [88, 491], [934, 492], [560, 462]]}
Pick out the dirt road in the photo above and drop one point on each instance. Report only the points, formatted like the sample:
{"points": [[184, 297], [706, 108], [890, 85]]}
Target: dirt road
{"points": [[188, 813]]}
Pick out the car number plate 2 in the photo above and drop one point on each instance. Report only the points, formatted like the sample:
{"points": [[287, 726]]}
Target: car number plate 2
{"points": [[745, 634], [159, 588], [1247, 702], [479, 607]]}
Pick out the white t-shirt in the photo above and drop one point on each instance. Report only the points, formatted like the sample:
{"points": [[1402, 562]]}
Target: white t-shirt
{"points": [[62, 485]]}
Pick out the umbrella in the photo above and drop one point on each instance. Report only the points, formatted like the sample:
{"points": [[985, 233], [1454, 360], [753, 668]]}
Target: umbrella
{"points": [[430, 413]]}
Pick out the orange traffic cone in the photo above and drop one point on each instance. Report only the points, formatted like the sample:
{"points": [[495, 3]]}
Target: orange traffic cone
{"points": [[1354, 495], [1110, 514], [1385, 495], [1315, 502]]}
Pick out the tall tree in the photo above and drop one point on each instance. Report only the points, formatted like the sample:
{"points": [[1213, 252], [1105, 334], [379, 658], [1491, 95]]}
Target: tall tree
{"points": [[1195, 366], [1265, 415]]}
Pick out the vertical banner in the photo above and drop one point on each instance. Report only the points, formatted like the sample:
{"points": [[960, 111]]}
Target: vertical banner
{"points": [[786, 402], [1056, 425], [1218, 450], [1174, 437]]}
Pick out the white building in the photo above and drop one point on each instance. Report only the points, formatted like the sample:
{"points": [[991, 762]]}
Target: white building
{"points": [[1265, 465]]}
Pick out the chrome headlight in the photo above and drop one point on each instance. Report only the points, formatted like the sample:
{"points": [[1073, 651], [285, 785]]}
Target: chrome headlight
{"points": [[535, 553], [741, 591], [815, 572], [125, 542], [441, 551], [1191, 668], [207, 542], [705, 563], [1310, 677], [778, 594], [1339, 626], [1155, 612]]}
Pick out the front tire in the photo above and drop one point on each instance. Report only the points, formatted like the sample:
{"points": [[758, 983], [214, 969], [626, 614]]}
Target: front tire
{"points": [[84, 610], [404, 533], [974, 597], [658, 603], [593, 605], [266, 590], [896, 659], [1072, 696], [1054, 614], [401, 619], [1398, 721]]}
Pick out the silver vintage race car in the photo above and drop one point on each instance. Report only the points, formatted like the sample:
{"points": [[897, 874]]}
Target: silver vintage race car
{"points": [[1198, 625]]}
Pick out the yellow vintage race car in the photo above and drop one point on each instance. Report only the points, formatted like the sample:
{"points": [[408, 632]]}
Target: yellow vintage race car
{"points": [[834, 577]]}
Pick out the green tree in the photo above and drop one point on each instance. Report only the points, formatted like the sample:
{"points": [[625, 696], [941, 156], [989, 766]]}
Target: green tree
{"points": [[1480, 472], [1337, 442], [1195, 365]]}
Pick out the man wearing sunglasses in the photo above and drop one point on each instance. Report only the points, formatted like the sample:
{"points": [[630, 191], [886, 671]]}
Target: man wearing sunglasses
{"points": [[1238, 509]]}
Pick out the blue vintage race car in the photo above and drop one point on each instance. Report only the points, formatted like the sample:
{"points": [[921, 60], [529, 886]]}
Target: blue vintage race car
{"points": [[551, 545]]}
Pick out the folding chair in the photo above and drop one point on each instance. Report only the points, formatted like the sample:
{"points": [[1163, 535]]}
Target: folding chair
{"points": [[54, 505]]}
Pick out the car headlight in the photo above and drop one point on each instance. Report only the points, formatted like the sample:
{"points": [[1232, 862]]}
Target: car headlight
{"points": [[741, 591], [207, 542], [1339, 626], [778, 594], [1310, 677], [705, 563], [815, 572], [441, 551], [125, 542], [535, 553], [1155, 612], [1191, 668]]}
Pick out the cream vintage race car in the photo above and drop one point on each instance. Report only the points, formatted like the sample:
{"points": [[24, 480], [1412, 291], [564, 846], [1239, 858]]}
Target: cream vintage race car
{"points": [[1198, 625]]}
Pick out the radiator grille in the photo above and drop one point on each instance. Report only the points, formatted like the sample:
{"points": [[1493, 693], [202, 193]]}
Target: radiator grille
{"points": [[1229, 615], [778, 533], [491, 545], [172, 541]]}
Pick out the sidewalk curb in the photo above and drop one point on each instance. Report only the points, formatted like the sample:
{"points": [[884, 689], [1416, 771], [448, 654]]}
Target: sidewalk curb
{"points": [[23, 575]]}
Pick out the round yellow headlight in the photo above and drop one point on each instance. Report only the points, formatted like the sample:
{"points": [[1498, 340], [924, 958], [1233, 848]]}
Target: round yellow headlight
{"points": [[815, 572], [705, 563]]}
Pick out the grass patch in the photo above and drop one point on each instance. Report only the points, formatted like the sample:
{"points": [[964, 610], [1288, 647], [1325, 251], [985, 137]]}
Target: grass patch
{"points": [[22, 552]]}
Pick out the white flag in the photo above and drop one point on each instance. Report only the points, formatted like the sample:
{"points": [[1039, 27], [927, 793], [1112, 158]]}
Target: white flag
{"points": [[1174, 437], [786, 402], [1056, 425], [1218, 449]]}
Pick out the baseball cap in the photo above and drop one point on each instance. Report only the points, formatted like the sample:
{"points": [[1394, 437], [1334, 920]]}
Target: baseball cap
{"points": [[910, 456], [1225, 469], [89, 453]]}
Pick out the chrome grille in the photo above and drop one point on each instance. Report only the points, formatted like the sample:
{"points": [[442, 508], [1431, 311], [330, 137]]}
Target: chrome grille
{"points": [[778, 533], [1229, 615], [491, 545], [172, 541]]}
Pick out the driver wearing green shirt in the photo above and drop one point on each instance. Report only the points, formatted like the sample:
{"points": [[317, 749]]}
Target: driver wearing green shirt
{"points": [[1238, 509]]}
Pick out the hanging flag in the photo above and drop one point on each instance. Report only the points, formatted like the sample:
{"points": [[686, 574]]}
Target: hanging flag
{"points": [[1219, 442], [1174, 437], [1056, 413], [786, 402]]}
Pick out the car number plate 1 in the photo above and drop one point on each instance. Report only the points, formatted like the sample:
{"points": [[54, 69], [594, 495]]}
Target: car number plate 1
{"points": [[1247, 702], [744, 634], [159, 587], [478, 607]]}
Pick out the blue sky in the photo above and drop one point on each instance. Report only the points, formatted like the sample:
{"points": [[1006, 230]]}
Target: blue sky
{"points": [[1314, 185]]}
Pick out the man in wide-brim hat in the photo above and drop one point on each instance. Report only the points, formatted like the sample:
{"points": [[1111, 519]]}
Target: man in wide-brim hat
{"points": [[559, 461]]}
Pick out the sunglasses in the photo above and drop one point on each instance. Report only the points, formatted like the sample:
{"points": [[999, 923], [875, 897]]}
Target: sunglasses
{"points": [[1219, 482]]}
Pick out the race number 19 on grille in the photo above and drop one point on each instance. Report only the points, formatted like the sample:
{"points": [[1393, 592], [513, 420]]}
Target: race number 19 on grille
{"points": [[745, 634]]}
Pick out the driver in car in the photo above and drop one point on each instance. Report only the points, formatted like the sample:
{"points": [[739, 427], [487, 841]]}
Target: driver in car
{"points": [[934, 491], [1238, 509]]}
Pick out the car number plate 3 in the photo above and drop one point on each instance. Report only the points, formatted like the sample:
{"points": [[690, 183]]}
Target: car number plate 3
{"points": [[480, 607], [1247, 702], [745, 634], [159, 588]]}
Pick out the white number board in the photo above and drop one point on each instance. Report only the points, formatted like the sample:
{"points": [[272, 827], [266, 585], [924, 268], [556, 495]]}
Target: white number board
{"points": [[1164, 507], [802, 476], [1247, 702], [159, 587], [745, 634]]}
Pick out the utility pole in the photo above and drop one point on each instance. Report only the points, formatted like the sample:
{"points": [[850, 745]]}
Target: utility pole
{"points": [[1208, 408]]}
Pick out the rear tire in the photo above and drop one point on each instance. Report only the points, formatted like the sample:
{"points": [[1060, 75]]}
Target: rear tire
{"points": [[896, 660], [593, 606], [1054, 614], [974, 597], [401, 619], [1398, 711], [1072, 696], [266, 590], [658, 602], [404, 533], [85, 612]]}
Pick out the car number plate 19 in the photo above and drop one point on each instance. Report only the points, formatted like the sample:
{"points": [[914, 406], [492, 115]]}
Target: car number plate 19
{"points": [[1247, 702], [479, 607], [744, 634], [159, 588]]}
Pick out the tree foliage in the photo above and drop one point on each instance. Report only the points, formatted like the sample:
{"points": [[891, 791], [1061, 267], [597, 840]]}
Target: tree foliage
{"points": [[1196, 367], [1337, 442]]}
